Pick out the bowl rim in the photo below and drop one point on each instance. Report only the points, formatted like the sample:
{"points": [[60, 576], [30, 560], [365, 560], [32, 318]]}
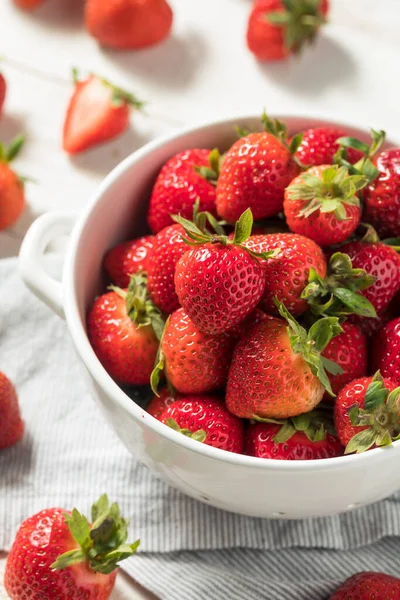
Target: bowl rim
{"points": [[112, 389]]}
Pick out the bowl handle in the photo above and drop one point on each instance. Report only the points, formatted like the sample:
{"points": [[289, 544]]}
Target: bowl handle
{"points": [[42, 231]]}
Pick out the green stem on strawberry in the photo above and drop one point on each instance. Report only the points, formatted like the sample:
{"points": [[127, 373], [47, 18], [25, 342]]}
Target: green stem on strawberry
{"points": [[300, 21], [159, 364], [199, 435], [119, 97], [315, 425], [365, 165], [211, 173], [337, 294], [280, 131], [381, 416], [102, 544], [311, 343]]}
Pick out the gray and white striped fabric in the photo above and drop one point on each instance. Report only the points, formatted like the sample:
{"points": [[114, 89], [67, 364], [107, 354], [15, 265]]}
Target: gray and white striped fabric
{"points": [[69, 456]]}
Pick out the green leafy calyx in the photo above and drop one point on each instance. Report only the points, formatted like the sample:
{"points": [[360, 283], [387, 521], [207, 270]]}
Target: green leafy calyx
{"points": [[199, 435], [211, 172], [8, 154], [315, 425], [103, 544], [380, 417], [364, 166], [300, 21]]}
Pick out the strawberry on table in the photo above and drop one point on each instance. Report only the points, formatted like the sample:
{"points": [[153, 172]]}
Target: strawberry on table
{"points": [[382, 197], [159, 403], [186, 177], [124, 328], [97, 112], [128, 258], [205, 419], [385, 351], [278, 28], [368, 586], [367, 413], [11, 424], [58, 554], [3, 91], [277, 370], [12, 196], [128, 24], [323, 204], [320, 144], [28, 4]]}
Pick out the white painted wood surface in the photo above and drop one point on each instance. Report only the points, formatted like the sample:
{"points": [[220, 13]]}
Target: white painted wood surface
{"points": [[203, 71]]}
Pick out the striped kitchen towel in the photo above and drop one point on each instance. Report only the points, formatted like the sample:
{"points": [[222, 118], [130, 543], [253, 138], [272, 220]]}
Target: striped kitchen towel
{"points": [[69, 456]]}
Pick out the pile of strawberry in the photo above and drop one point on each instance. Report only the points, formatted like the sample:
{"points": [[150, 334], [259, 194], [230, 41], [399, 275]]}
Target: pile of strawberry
{"points": [[278, 338]]}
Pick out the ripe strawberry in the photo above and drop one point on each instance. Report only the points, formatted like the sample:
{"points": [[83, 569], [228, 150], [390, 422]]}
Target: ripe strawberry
{"points": [[277, 371], [159, 403], [278, 28], [385, 350], [11, 424], [319, 146], [255, 172], [128, 258], [307, 437], [124, 328], [90, 554], [382, 197], [323, 205], [168, 249], [128, 24], [178, 186], [287, 273], [28, 4], [219, 282], [97, 112], [3, 90], [194, 362], [349, 351], [205, 419], [12, 197], [368, 586], [367, 413]]}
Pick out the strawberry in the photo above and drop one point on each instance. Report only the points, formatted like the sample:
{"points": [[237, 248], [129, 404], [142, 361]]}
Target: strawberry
{"points": [[385, 350], [277, 370], [11, 424], [28, 4], [382, 197], [128, 24], [205, 419], [159, 403], [167, 250], [287, 273], [368, 586], [194, 362], [97, 112], [349, 351], [319, 146], [367, 413], [12, 196], [128, 258], [124, 328], [307, 437], [58, 554], [219, 282], [255, 172], [323, 205], [180, 183], [3, 90], [278, 28]]}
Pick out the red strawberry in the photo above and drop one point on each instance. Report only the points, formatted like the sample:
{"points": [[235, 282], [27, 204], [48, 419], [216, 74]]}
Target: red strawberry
{"points": [[319, 146], [254, 174], [287, 273], [385, 350], [28, 4], [128, 258], [3, 90], [369, 586], [124, 328], [12, 197], [322, 204], [219, 282], [382, 197], [168, 249], [97, 112], [205, 419], [349, 351], [367, 413], [159, 403], [307, 437], [278, 28], [128, 24], [11, 424], [178, 186], [274, 374], [58, 554], [194, 362]]}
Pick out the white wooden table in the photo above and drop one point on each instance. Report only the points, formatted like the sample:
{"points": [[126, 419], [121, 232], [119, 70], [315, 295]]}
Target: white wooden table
{"points": [[203, 71]]}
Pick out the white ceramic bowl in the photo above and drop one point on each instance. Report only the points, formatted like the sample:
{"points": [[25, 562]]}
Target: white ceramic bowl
{"points": [[253, 486]]}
